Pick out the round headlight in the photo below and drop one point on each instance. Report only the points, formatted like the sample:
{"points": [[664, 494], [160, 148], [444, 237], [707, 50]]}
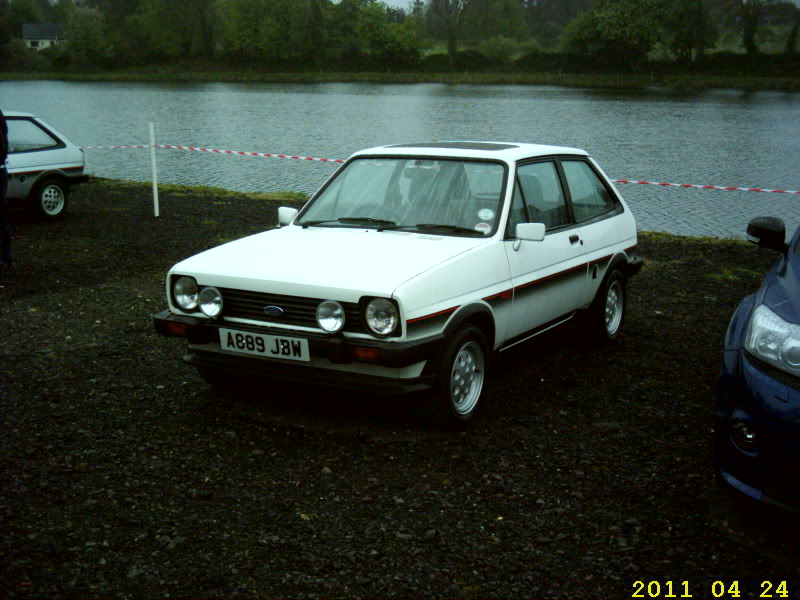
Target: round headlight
{"points": [[210, 301], [185, 293], [330, 316], [381, 316]]}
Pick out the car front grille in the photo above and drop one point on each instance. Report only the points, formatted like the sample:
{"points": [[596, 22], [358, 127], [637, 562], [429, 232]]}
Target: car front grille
{"points": [[298, 310]]}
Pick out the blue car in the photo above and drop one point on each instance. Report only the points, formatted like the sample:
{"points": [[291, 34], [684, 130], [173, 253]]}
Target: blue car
{"points": [[757, 445]]}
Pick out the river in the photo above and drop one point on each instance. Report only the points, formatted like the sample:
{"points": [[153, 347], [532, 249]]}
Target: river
{"points": [[718, 137]]}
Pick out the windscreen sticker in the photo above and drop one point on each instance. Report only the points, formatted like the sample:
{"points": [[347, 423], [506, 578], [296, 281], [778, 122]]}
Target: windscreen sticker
{"points": [[486, 214], [483, 227]]}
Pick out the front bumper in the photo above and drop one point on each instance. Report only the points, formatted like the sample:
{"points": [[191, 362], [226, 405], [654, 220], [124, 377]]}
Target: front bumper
{"points": [[769, 403], [334, 356]]}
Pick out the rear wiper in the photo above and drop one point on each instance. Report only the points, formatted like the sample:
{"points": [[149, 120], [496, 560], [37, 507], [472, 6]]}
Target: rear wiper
{"points": [[378, 223], [442, 226]]}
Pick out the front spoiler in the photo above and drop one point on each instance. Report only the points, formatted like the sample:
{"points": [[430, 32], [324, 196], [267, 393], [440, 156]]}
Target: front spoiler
{"points": [[284, 371]]}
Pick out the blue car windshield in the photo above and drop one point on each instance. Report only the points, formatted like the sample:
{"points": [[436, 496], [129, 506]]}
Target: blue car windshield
{"points": [[456, 197]]}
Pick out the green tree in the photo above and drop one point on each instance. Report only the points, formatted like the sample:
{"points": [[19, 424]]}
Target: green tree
{"points": [[751, 12], [175, 28], [274, 30], [5, 32], [747, 18], [342, 22], [317, 31], [21, 12], [61, 10], [499, 49], [450, 14], [620, 32], [87, 42], [689, 29], [392, 43], [791, 39], [491, 18]]}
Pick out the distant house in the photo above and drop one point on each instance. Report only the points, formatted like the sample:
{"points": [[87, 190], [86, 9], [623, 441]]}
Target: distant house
{"points": [[42, 35]]}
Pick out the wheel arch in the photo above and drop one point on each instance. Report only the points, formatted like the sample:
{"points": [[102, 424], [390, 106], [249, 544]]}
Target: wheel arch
{"points": [[618, 262], [53, 174], [478, 314]]}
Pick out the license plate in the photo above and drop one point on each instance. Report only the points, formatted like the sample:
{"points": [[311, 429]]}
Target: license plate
{"points": [[269, 346]]}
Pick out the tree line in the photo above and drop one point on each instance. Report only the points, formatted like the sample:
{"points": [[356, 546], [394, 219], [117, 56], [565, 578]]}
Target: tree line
{"points": [[427, 34]]}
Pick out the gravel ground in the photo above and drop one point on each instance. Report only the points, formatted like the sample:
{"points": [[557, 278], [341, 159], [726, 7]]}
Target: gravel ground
{"points": [[123, 475]]}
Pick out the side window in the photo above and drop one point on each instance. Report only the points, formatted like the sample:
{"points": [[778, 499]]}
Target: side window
{"points": [[589, 196], [24, 135], [542, 194]]}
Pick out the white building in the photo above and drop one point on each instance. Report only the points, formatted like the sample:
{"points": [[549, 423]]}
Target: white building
{"points": [[42, 35]]}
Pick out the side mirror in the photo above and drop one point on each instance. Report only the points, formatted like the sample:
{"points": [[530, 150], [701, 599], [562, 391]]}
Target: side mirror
{"points": [[767, 232], [530, 232], [286, 215]]}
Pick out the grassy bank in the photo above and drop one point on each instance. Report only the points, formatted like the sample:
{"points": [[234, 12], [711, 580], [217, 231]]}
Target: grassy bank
{"points": [[606, 81], [199, 191]]}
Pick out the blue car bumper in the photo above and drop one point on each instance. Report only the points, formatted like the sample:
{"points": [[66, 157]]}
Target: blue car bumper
{"points": [[767, 402]]}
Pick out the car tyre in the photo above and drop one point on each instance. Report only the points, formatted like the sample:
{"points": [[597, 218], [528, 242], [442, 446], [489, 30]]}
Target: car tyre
{"points": [[607, 312], [49, 197], [462, 378]]}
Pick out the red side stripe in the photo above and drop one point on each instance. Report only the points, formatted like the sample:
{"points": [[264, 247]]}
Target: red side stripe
{"points": [[554, 275], [436, 314], [599, 260]]}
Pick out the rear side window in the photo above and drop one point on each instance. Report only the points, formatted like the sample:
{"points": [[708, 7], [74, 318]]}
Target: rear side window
{"points": [[590, 197], [25, 135]]}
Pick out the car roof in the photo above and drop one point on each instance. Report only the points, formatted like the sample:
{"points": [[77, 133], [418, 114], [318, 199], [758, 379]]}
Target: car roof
{"points": [[508, 151], [16, 113]]}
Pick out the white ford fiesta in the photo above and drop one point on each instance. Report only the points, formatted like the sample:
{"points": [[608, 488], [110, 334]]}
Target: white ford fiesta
{"points": [[411, 269]]}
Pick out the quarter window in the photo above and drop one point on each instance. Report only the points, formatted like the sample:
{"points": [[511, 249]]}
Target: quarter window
{"points": [[25, 135], [590, 197], [542, 194]]}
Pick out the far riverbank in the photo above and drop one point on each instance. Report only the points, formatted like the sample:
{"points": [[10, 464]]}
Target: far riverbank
{"points": [[682, 82]]}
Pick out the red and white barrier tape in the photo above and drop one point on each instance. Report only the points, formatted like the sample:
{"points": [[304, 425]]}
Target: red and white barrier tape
{"points": [[339, 160], [114, 147], [708, 187], [217, 151]]}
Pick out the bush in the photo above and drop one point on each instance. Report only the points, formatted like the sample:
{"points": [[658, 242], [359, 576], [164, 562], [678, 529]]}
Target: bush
{"points": [[499, 49], [22, 58]]}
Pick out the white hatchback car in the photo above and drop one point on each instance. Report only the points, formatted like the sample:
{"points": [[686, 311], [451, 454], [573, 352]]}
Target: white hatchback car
{"points": [[42, 164], [411, 269]]}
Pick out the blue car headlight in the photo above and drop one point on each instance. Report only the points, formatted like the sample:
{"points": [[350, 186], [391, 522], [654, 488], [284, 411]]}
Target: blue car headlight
{"points": [[774, 341]]}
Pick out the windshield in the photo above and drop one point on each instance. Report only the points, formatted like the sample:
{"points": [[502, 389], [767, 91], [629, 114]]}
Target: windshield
{"points": [[452, 197]]}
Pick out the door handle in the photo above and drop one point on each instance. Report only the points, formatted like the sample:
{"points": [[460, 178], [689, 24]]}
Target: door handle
{"points": [[573, 239]]}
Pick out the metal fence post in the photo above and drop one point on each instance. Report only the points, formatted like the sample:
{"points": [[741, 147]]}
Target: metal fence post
{"points": [[153, 163]]}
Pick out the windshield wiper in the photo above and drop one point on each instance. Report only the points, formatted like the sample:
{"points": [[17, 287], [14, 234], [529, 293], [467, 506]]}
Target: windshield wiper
{"points": [[442, 226], [378, 223]]}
